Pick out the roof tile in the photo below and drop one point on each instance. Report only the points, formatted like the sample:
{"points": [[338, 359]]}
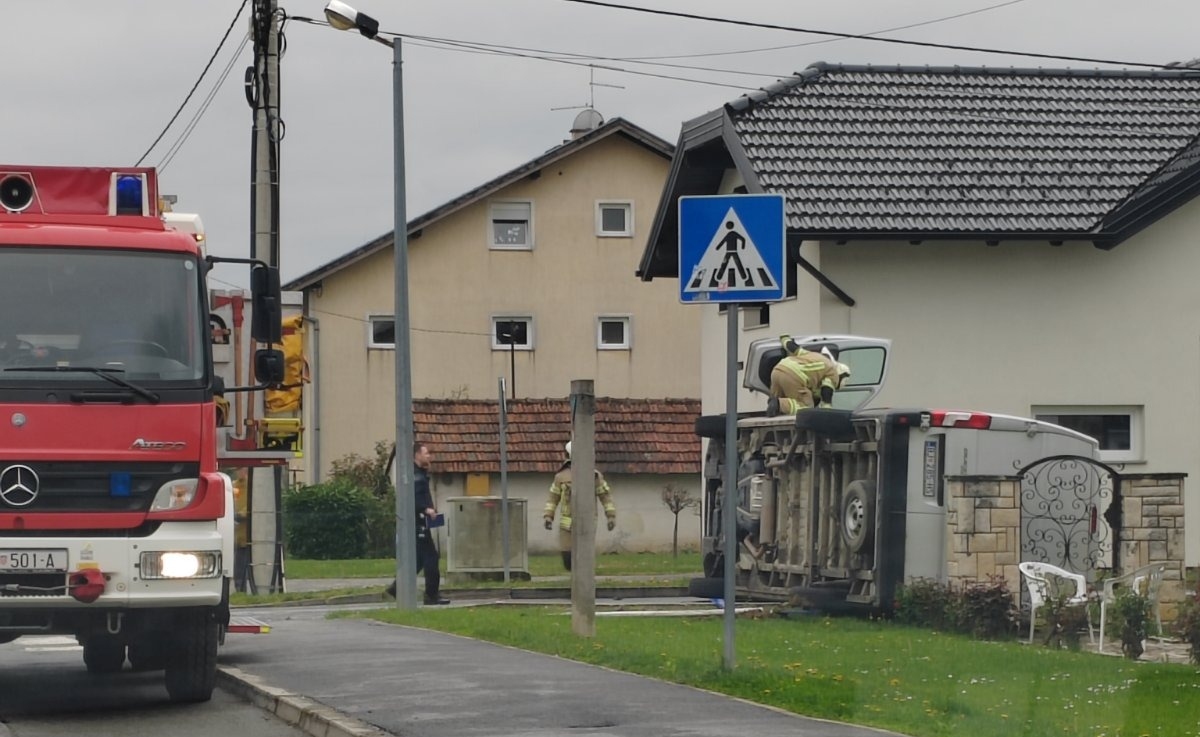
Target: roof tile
{"points": [[859, 149], [632, 435]]}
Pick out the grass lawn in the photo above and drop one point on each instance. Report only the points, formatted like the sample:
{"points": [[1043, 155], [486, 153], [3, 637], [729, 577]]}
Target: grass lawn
{"points": [[541, 564], [874, 673], [659, 570]]}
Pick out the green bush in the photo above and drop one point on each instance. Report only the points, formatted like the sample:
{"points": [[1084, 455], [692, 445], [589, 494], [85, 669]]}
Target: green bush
{"points": [[926, 603], [987, 609], [1187, 623], [984, 609], [353, 515], [381, 525], [327, 521], [1131, 611]]}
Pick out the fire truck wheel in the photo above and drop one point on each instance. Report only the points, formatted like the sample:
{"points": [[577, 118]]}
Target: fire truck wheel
{"points": [[149, 654], [858, 516], [192, 668], [103, 654]]}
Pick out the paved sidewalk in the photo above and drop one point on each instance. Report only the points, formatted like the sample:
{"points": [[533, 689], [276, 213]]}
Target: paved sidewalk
{"points": [[336, 678]]}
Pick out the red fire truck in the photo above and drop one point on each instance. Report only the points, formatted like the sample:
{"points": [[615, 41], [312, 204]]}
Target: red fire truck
{"points": [[115, 525]]}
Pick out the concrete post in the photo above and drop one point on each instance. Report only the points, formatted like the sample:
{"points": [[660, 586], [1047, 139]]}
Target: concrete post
{"points": [[583, 508]]}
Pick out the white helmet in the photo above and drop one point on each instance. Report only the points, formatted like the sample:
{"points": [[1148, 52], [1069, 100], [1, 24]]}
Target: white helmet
{"points": [[568, 447]]}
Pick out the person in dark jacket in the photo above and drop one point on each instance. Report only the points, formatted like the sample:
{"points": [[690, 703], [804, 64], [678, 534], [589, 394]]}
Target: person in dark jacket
{"points": [[427, 552]]}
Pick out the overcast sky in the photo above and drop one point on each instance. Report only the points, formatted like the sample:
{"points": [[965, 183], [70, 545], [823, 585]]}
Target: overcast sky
{"points": [[94, 83]]}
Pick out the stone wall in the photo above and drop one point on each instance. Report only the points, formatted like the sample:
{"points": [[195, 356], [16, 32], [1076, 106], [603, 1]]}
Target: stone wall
{"points": [[983, 518], [1152, 530]]}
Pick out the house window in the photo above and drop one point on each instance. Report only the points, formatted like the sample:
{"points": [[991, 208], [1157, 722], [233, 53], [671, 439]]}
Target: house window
{"points": [[512, 333], [511, 225], [614, 219], [1117, 429], [612, 333], [381, 331]]}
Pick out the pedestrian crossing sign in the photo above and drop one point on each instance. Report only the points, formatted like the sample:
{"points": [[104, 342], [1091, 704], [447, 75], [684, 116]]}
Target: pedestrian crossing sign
{"points": [[732, 248]]}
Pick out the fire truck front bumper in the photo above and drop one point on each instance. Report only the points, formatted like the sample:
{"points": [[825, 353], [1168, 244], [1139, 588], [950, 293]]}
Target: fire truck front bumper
{"points": [[181, 564]]}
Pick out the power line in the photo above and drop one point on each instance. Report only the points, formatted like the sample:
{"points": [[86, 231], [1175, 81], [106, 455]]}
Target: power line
{"points": [[168, 157], [860, 36], [330, 313], [947, 93], [919, 24], [467, 47], [192, 91]]}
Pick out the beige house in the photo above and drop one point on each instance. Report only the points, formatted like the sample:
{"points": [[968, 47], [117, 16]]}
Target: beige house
{"points": [[528, 277]]}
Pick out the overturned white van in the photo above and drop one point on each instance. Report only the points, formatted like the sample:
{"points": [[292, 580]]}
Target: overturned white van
{"points": [[837, 507]]}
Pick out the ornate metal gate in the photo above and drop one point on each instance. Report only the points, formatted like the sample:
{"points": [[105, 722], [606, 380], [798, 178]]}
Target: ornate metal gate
{"points": [[1070, 513]]}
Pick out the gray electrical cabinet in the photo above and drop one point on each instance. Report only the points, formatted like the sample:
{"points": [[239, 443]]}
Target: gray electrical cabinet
{"points": [[475, 538]]}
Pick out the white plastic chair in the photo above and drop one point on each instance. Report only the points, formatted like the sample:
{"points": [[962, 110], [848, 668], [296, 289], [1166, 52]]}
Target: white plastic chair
{"points": [[1042, 589], [1145, 581]]}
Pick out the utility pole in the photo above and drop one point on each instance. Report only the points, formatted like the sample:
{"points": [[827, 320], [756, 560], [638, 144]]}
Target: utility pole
{"points": [[262, 92]]}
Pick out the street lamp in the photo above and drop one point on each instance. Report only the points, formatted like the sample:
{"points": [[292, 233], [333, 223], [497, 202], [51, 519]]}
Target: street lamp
{"points": [[345, 18]]}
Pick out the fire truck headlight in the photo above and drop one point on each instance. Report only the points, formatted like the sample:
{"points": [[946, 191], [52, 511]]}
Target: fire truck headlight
{"points": [[154, 564], [174, 495]]}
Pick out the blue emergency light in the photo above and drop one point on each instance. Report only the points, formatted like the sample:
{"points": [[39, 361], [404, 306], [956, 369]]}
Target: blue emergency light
{"points": [[120, 484], [129, 194]]}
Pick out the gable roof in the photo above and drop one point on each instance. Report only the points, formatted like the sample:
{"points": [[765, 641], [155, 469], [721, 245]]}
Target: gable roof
{"points": [[616, 126], [632, 435], [948, 152]]}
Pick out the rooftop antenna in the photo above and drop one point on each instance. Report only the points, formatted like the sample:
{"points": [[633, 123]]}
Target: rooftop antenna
{"points": [[589, 119]]}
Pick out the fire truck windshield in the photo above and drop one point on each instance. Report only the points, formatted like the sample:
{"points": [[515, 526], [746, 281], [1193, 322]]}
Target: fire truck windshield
{"points": [[136, 314]]}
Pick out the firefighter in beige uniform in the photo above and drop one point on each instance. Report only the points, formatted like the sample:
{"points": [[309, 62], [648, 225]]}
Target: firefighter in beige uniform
{"points": [[801, 377], [560, 492]]}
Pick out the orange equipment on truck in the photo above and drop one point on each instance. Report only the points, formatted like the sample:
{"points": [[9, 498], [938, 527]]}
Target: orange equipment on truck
{"points": [[116, 526]]}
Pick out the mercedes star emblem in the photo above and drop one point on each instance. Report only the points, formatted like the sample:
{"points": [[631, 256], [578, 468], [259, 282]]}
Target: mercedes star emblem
{"points": [[18, 485]]}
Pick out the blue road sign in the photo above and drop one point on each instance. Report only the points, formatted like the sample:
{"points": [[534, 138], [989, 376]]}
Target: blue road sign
{"points": [[732, 248]]}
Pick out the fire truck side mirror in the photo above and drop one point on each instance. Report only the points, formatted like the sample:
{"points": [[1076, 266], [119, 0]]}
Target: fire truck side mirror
{"points": [[267, 321], [269, 366]]}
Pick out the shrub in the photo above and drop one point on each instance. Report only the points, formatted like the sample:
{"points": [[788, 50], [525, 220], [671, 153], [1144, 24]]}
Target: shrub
{"points": [[366, 473], [381, 525], [987, 609], [1131, 611], [1187, 623], [1065, 622], [327, 521], [926, 603]]}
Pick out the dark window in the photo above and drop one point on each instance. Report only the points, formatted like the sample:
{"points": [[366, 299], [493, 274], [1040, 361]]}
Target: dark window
{"points": [[383, 331], [512, 332]]}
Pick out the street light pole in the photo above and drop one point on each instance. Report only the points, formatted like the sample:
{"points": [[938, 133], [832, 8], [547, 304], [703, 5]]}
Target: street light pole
{"points": [[406, 523], [343, 17]]}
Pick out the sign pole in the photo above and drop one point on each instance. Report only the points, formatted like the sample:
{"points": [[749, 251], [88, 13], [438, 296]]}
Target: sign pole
{"points": [[733, 251], [729, 486]]}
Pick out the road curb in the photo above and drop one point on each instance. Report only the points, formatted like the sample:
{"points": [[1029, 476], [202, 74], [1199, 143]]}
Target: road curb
{"points": [[306, 714]]}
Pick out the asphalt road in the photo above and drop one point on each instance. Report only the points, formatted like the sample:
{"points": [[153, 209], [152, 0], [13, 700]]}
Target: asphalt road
{"points": [[46, 692], [420, 683]]}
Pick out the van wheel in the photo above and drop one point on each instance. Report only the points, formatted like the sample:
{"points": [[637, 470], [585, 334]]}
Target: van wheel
{"points": [[858, 516], [707, 588], [710, 426], [835, 424]]}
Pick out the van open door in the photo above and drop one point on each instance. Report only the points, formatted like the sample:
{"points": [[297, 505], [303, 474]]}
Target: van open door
{"points": [[866, 357]]}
